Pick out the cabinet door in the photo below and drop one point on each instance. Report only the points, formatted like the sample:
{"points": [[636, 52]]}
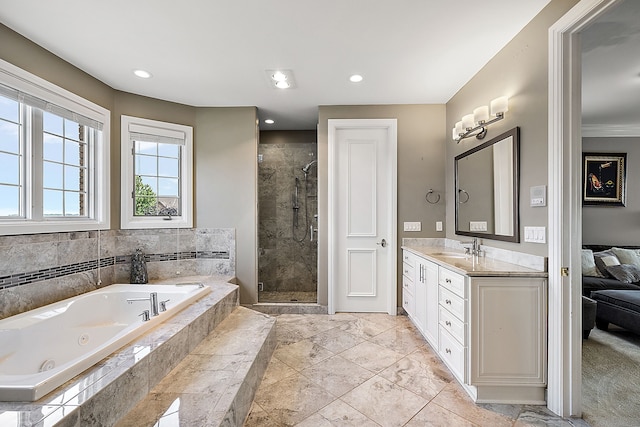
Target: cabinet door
{"points": [[421, 296], [431, 285], [508, 331]]}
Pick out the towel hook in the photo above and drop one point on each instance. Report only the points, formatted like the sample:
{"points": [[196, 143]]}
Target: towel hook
{"points": [[432, 192], [465, 192]]}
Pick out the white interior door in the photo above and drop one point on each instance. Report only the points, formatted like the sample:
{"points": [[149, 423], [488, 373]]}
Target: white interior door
{"points": [[362, 215]]}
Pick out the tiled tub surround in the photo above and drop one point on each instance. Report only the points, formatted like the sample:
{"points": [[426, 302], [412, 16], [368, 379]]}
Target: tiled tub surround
{"points": [[108, 390], [286, 264], [39, 269], [89, 327], [216, 383]]}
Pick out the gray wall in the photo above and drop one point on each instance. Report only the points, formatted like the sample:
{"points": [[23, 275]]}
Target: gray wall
{"points": [[420, 167], [225, 184], [225, 148], [615, 225], [520, 71]]}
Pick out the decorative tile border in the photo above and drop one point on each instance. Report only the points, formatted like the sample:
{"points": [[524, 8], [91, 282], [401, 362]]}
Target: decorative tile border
{"points": [[81, 267]]}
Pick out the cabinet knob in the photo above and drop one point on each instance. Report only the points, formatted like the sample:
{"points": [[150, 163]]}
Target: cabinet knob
{"points": [[448, 301], [447, 280], [448, 350], [448, 323]]}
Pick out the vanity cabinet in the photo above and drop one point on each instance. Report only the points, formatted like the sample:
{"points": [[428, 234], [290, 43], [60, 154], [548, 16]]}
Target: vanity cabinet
{"points": [[408, 285], [488, 327]]}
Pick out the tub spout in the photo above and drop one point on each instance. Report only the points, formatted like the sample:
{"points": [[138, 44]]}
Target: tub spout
{"points": [[153, 302]]}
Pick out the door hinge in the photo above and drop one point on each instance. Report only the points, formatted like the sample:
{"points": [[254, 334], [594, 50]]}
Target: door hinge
{"points": [[564, 271]]}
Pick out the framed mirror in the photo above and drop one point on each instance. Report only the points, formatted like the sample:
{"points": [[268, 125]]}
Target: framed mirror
{"points": [[487, 189]]}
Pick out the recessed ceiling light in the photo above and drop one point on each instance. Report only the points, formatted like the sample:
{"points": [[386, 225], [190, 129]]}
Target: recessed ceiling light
{"points": [[279, 76], [356, 78], [142, 74], [269, 121]]}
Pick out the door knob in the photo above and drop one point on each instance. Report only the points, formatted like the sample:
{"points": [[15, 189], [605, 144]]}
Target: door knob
{"points": [[382, 243]]}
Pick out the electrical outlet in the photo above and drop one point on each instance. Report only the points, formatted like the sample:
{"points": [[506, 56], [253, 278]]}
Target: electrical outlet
{"points": [[438, 225], [412, 226], [260, 286]]}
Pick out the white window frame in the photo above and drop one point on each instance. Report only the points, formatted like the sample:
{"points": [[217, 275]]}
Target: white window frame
{"points": [[99, 218], [127, 206]]}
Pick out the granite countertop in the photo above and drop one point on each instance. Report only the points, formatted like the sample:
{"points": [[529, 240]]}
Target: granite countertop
{"points": [[457, 261]]}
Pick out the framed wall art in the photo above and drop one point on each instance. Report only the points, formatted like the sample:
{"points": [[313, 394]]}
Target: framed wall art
{"points": [[604, 178]]}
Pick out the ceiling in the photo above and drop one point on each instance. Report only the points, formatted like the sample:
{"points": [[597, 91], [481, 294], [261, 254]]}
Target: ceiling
{"points": [[215, 52], [611, 73]]}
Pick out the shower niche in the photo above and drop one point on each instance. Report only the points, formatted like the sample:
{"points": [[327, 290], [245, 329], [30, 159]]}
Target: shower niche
{"points": [[287, 217]]}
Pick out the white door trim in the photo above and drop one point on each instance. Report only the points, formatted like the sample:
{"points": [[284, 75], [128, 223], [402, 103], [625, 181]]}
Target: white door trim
{"points": [[564, 395], [333, 126]]}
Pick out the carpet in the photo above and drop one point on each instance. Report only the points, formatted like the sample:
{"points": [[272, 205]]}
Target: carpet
{"points": [[611, 378]]}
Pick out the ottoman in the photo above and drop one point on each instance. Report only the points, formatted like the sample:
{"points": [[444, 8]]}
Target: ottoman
{"points": [[588, 316], [620, 307]]}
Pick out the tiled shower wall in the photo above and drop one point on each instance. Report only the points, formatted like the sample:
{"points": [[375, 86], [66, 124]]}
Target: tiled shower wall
{"points": [[40, 269], [286, 263]]}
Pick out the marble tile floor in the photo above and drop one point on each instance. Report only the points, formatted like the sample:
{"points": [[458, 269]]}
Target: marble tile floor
{"points": [[287, 296], [370, 370]]}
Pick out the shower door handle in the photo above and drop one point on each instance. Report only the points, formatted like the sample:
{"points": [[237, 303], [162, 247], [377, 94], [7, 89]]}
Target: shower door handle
{"points": [[382, 243]]}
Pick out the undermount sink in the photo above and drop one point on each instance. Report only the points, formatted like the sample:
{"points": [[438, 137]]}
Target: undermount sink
{"points": [[450, 254]]}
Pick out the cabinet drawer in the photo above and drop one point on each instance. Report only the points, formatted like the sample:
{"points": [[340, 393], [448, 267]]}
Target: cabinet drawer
{"points": [[452, 281], [408, 285], [407, 270], [408, 257], [452, 324], [452, 353], [451, 302], [408, 302]]}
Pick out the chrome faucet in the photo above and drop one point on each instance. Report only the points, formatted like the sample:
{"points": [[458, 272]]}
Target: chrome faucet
{"points": [[473, 248], [153, 301]]}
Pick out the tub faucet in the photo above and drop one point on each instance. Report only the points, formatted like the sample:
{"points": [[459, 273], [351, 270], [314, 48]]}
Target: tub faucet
{"points": [[153, 301]]}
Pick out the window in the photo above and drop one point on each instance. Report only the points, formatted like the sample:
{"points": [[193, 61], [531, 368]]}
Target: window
{"points": [[156, 168], [54, 157]]}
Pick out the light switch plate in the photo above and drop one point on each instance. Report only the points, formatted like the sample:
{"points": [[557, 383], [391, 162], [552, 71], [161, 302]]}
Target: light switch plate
{"points": [[477, 225], [438, 225], [535, 234], [412, 226]]}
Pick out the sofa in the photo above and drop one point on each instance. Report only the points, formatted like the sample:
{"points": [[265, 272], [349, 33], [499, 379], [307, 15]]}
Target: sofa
{"points": [[610, 267], [611, 285]]}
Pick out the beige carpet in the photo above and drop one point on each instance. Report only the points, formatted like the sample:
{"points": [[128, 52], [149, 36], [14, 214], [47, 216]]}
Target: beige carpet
{"points": [[611, 378]]}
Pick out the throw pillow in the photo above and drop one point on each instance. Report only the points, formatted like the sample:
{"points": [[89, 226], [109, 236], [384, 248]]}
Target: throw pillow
{"points": [[589, 264], [604, 259], [626, 273], [627, 256]]}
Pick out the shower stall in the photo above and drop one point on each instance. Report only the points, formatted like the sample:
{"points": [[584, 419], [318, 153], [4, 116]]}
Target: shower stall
{"points": [[288, 221]]}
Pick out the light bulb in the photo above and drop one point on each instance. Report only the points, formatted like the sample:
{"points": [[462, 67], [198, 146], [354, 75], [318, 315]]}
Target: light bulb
{"points": [[499, 105], [481, 114]]}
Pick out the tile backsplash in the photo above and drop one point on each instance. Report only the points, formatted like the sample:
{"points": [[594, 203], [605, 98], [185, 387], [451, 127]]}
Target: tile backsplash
{"points": [[40, 269]]}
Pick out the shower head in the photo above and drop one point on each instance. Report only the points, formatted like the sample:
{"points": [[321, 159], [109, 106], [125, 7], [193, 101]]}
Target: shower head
{"points": [[306, 167]]}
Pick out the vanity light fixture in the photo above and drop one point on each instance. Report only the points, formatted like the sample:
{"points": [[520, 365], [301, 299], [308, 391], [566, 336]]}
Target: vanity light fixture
{"points": [[280, 79], [476, 124], [142, 74]]}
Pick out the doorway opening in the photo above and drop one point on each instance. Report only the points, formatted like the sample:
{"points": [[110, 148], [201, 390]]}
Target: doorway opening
{"points": [[287, 217]]}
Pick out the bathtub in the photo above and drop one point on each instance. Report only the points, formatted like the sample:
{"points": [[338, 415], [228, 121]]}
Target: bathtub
{"points": [[43, 348]]}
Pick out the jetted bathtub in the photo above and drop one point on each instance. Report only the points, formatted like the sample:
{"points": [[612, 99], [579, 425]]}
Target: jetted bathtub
{"points": [[43, 348]]}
